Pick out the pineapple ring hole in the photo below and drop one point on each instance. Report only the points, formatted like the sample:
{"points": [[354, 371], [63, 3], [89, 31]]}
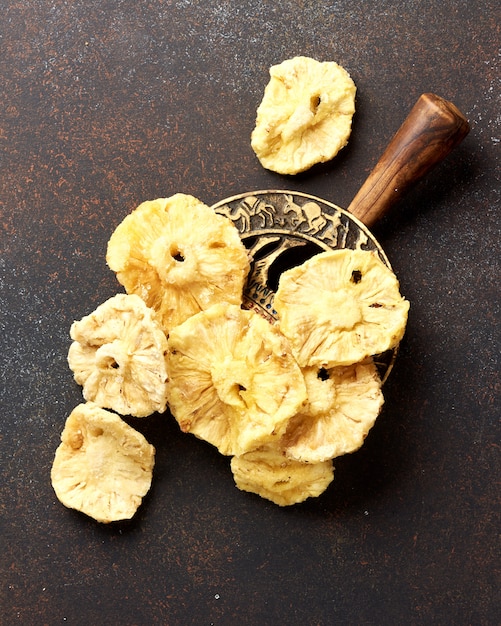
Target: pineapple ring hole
{"points": [[323, 374], [176, 253], [356, 276], [315, 103], [108, 362]]}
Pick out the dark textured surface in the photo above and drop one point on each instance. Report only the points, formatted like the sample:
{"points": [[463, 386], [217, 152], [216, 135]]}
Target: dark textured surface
{"points": [[106, 104]]}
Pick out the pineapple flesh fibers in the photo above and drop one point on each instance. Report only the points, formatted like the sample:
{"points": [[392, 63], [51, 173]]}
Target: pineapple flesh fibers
{"points": [[179, 256], [269, 474], [102, 467], [305, 115], [118, 355], [232, 379], [343, 404], [340, 307]]}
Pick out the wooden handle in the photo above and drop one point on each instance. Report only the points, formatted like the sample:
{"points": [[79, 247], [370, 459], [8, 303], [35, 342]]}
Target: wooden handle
{"points": [[431, 130]]}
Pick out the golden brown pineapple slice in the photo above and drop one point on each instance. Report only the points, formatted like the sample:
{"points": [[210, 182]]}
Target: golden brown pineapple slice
{"points": [[340, 307], [103, 467], [232, 379], [305, 115], [269, 474], [179, 256], [119, 357], [343, 404]]}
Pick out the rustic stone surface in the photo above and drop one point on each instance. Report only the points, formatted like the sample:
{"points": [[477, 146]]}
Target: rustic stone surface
{"points": [[106, 104]]}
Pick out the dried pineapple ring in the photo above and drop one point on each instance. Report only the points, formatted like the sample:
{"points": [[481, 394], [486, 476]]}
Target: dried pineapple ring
{"points": [[232, 379], [269, 474], [340, 307], [119, 357], [343, 404], [305, 115], [179, 256], [102, 467]]}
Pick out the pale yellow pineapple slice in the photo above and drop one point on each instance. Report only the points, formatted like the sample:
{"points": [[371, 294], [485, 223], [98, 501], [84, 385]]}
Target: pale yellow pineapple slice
{"points": [[268, 473], [305, 115], [103, 467], [343, 404], [118, 355], [232, 379], [340, 307], [179, 256]]}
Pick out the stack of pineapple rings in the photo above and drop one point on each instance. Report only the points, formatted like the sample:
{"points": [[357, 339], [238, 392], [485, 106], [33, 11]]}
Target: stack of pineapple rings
{"points": [[282, 400]]}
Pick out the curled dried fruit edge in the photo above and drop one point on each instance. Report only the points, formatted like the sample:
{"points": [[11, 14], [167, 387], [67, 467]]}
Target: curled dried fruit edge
{"points": [[103, 467], [305, 115], [343, 404], [268, 473], [233, 381], [340, 307], [179, 256], [118, 355]]}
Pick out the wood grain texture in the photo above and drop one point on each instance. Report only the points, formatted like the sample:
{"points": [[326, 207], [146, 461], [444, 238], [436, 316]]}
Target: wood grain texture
{"points": [[432, 129]]}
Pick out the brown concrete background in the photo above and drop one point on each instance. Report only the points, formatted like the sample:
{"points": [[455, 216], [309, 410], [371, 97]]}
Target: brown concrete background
{"points": [[106, 104]]}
